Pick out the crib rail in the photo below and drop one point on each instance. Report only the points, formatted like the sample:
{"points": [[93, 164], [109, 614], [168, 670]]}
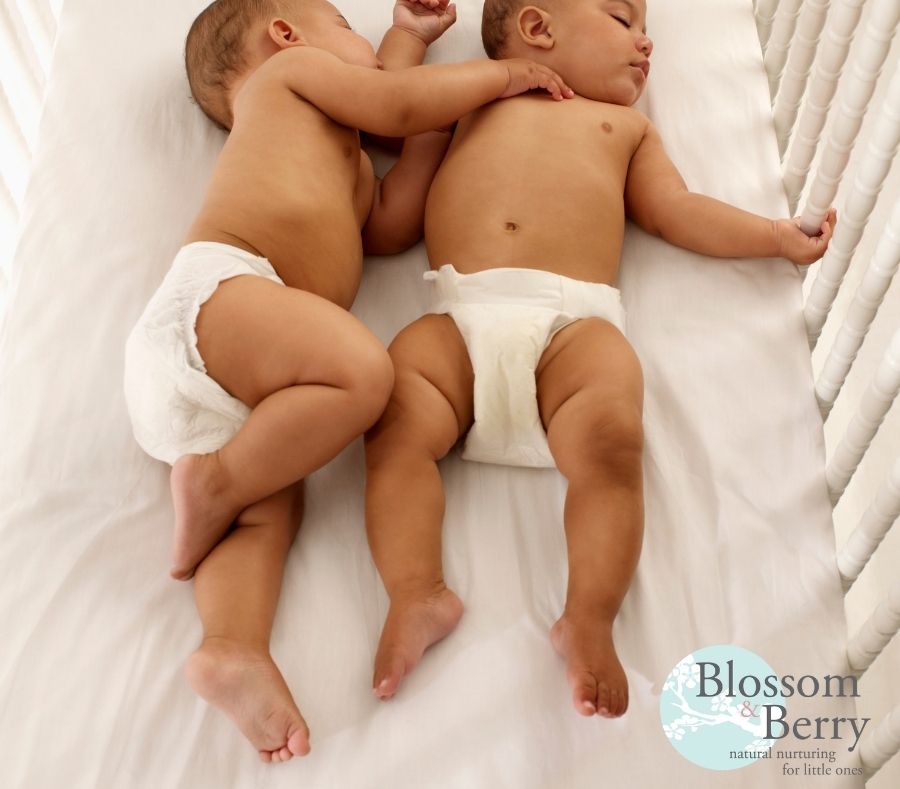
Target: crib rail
{"points": [[788, 90], [841, 24], [884, 743], [862, 311], [811, 66], [874, 168], [854, 94]]}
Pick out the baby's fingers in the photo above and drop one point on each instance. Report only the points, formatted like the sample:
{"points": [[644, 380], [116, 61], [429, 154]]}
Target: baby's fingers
{"points": [[554, 85]]}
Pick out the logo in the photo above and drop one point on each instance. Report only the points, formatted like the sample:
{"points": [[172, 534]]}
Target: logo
{"points": [[715, 707]]}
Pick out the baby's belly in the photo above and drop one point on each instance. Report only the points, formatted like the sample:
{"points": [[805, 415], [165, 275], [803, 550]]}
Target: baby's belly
{"points": [[585, 247]]}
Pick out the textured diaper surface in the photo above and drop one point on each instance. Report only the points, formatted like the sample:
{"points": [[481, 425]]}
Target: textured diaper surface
{"points": [[507, 317], [175, 407]]}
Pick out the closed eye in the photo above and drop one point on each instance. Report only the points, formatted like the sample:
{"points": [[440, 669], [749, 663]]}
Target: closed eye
{"points": [[623, 21]]}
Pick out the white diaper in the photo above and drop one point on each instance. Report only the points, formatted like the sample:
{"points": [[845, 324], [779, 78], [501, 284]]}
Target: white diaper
{"points": [[507, 317], [175, 407]]}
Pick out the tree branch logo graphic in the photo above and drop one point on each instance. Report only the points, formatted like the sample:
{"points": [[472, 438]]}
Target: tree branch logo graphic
{"points": [[711, 720]]}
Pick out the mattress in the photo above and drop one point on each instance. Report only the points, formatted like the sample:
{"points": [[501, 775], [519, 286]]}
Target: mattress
{"points": [[738, 545]]}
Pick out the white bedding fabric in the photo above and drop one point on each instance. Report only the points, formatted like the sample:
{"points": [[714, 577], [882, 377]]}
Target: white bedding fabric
{"points": [[738, 545]]}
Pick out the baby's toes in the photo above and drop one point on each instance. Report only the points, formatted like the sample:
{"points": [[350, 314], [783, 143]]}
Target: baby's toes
{"points": [[584, 693], [605, 699]]}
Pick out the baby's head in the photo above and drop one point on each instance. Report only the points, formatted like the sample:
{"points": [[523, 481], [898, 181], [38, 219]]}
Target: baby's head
{"points": [[231, 38], [599, 47]]}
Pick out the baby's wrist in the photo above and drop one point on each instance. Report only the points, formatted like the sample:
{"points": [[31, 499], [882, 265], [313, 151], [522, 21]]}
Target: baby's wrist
{"points": [[778, 237], [417, 35]]}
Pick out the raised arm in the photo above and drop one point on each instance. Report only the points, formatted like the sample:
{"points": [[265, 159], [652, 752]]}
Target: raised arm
{"points": [[417, 25], [658, 200], [402, 103]]}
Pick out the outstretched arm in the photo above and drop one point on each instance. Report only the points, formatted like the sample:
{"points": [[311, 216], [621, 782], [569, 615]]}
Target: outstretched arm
{"points": [[402, 103], [417, 24], [658, 200]]}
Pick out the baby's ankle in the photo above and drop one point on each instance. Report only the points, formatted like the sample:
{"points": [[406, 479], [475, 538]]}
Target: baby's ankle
{"points": [[415, 589]]}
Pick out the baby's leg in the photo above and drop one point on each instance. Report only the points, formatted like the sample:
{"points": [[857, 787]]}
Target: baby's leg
{"points": [[315, 377], [430, 407], [237, 588], [590, 392]]}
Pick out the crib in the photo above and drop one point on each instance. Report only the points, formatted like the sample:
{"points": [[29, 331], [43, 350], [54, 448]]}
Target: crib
{"points": [[806, 46], [738, 508]]}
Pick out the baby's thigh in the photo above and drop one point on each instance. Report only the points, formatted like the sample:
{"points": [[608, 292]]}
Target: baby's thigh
{"points": [[590, 366], [433, 386], [257, 337]]}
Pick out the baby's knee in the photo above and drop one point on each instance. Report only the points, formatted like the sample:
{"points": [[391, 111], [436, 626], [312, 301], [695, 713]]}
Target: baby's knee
{"points": [[607, 440], [369, 379]]}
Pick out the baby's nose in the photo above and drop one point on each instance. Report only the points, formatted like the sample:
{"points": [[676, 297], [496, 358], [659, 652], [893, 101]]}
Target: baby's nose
{"points": [[645, 45]]}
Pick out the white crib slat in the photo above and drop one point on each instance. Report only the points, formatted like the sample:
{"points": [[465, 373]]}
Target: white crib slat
{"points": [[765, 14], [780, 41], [875, 403], [876, 632], [870, 177], [839, 29], [861, 313], [882, 744], [872, 528], [855, 93], [796, 73]]}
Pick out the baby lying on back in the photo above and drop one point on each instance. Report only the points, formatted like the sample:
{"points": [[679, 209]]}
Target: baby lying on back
{"points": [[524, 351]]}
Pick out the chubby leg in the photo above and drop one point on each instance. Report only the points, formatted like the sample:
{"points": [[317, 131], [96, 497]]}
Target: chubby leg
{"points": [[315, 377], [590, 392], [429, 409], [236, 588]]}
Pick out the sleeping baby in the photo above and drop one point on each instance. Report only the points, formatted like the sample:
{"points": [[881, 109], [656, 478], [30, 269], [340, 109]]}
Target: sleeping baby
{"points": [[524, 349], [246, 372]]}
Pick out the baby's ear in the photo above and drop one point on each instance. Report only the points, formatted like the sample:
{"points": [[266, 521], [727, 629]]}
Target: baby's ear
{"points": [[285, 34], [535, 27]]}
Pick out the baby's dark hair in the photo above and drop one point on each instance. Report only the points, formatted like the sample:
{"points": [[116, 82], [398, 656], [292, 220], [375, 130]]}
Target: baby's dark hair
{"points": [[215, 51], [495, 19]]}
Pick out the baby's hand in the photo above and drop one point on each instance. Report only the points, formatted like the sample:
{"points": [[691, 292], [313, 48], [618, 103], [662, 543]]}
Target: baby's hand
{"points": [[525, 75], [800, 248], [425, 19]]}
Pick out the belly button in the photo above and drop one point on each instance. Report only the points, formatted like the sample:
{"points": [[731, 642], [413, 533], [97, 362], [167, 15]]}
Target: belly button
{"points": [[607, 127], [511, 227]]}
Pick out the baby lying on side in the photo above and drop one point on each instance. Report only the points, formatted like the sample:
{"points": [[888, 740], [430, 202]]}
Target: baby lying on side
{"points": [[245, 371]]}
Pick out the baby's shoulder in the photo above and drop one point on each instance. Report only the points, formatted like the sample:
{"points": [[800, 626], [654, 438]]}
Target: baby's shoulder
{"points": [[268, 89]]}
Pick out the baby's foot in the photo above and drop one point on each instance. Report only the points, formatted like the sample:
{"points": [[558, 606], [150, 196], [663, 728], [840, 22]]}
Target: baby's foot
{"points": [[203, 511], [247, 686], [414, 622], [592, 667]]}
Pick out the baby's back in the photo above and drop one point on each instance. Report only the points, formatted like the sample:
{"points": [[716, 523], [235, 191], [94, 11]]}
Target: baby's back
{"points": [[533, 183], [292, 186]]}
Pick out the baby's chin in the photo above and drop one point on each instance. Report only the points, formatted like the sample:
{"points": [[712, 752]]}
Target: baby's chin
{"points": [[623, 98]]}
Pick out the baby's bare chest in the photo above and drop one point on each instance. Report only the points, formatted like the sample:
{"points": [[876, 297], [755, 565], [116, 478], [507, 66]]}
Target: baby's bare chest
{"points": [[564, 141]]}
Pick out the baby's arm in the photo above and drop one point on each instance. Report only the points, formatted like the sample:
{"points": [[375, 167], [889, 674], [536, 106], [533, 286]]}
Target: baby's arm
{"points": [[417, 24], [397, 217], [402, 103], [658, 200], [398, 211]]}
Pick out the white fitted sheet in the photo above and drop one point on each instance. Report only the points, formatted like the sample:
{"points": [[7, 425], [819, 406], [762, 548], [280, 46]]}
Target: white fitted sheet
{"points": [[738, 544]]}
